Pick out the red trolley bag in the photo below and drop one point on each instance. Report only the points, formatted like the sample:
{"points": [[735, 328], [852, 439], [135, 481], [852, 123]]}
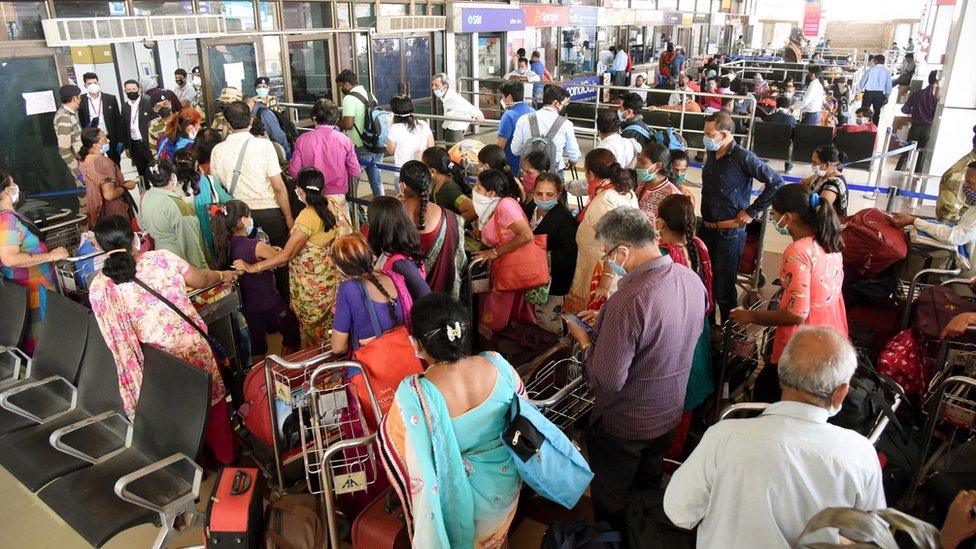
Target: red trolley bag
{"points": [[871, 244], [381, 525], [235, 515]]}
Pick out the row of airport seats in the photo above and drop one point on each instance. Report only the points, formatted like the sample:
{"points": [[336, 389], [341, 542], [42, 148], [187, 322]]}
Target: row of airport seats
{"points": [[63, 433], [773, 141]]}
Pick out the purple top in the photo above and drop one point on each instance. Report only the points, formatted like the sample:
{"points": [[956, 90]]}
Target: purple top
{"points": [[351, 316], [921, 105], [640, 389], [331, 152], [257, 290]]}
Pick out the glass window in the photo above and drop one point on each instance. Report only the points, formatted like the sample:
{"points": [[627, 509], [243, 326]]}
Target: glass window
{"points": [[272, 65], [311, 76], [22, 20], [239, 14], [268, 14], [162, 8], [365, 17], [89, 9], [417, 57], [306, 15], [230, 54], [577, 51], [362, 60], [388, 63], [343, 20], [491, 64]]}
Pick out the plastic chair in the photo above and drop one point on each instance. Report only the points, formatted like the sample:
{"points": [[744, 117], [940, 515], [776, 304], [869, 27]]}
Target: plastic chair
{"points": [[153, 477], [694, 125], [771, 140], [807, 138], [14, 318], [28, 454], [857, 145], [60, 346], [657, 118]]}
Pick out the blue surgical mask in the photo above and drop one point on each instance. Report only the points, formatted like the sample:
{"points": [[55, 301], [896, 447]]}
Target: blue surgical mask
{"points": [[617, 269], [262, 92], [249, 227], [969, 194], [679, 179], [784, 229], [644, 175], [105, 148], [621, 117], [545, 205], [710, 144]]}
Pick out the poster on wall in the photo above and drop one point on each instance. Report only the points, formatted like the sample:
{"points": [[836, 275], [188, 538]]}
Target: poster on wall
{"points": [[811, 17]]}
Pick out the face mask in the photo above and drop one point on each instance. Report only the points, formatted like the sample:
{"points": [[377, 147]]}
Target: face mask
{"points": [[679, 179], [191, 135], [545, 205], [528, 181], [132, 95], [616, 268], [262, 92], [789, 95], [165, 112], [831, 412], [197, 81], [710, 144], [819, 171], [969, 194], [105, 148], [93, 89], [621, 117], [484, 206], [248, 226], [644, 175], [301, 197], [16, 196], [783, 230], [439, 92], [501, 103]]}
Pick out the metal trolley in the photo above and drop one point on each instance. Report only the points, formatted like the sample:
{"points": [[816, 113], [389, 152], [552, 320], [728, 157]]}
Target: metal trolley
{"points": [[752, 282], [337, 447], [560, 391], [914, 288], [62, 230], [746, 350]]}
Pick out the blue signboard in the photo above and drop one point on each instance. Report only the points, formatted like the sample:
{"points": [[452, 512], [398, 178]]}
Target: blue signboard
{"points": [[492, 20], [584, 16], [577, 92]]}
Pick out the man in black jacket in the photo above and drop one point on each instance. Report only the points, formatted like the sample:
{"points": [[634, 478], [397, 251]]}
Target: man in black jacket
{"points": [[632, 125], [102, 110], [782, 115], [136, 114]]}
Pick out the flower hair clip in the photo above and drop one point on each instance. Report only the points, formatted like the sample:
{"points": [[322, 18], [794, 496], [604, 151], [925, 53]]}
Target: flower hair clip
{"points": [[217, 208], [154, 169], [454, 333]]}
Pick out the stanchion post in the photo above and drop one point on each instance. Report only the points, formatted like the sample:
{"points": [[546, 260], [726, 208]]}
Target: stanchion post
{"points": [[911, 182], [890, 202]]}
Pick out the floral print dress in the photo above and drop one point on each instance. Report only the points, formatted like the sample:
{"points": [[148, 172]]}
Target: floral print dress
{"points": [[128, 316]]}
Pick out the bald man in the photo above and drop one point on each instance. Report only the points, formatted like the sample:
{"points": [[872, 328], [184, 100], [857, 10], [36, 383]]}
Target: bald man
{"points": [[756, 482]]}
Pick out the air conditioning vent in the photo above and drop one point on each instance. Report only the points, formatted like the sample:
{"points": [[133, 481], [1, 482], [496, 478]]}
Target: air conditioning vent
{"points": [[410, 23], [108, 30]]}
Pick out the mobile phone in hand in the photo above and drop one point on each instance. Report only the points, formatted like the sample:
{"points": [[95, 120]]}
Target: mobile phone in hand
{"points": [[568, 317]]}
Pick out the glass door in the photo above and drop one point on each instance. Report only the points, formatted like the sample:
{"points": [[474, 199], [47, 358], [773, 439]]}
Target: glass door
{"points": [[229, 62], [310, 65], [403, 65], [491, 65], [417, 60]]}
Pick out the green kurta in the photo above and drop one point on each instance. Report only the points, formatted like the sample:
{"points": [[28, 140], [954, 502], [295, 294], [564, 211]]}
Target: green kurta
{"points": [[173, 224]]}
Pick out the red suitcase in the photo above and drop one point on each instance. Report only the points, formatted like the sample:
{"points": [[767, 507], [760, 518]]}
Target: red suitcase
{"points": [[235, 515], [381, 525]]}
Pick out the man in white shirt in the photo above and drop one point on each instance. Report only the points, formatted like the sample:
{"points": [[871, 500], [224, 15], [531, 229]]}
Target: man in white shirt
{"points": [[620, 67], [455, 106], [756, 482], [523, 73], [677, 98], [554, 99], [812, 103], [604, 60], [624, 149], [184, 90]]}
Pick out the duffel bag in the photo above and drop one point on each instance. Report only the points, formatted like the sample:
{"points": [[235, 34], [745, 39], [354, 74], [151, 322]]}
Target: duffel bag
{"points": [[901, 359], [871, 244], [938, 305], [866, 401], [295, 522]]}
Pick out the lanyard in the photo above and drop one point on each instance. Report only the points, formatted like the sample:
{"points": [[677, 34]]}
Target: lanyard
{"points": [[91, 107], [134, 107]]}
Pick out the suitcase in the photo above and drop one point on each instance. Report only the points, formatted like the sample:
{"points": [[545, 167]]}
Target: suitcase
{"points": [[381, 525], [871, 244], [235, 515]]}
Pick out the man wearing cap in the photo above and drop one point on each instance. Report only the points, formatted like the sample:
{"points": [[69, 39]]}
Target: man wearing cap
{"points": [[227, 96], [260, 109], [67, 128], [262, 90], [184, 91], [162, 107], [136, 114]]}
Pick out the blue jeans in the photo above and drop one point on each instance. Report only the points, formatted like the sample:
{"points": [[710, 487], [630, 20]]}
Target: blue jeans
{"points": [[368, 161], [725, 250], [810, 118]]}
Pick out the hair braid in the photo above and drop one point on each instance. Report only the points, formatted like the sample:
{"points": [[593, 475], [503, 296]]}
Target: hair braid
{"points": [[390, 301], [422, 212]]}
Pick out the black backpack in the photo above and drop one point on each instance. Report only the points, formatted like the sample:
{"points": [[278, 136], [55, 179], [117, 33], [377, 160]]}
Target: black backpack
{"points": [[376, 124], [866, 401], [580, 535], [287, 126]]}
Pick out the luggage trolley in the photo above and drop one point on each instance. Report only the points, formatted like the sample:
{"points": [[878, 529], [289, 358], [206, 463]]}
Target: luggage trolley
{"points": [[560, 391], [910, 293], [338, 449], [62, 229], [746, 350], [73, 275], [750, 276], [952, 405]]}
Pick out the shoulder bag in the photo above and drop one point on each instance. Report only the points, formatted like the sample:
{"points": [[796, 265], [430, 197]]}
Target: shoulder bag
{"points": [[237, 168], [525, 268]]}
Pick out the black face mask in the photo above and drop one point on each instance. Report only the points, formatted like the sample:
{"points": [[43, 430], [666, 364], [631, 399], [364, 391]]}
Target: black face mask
{"points": [[165, 112], [180, 81], [132, 95]]}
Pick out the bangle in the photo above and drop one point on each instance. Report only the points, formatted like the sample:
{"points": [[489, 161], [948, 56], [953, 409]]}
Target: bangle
{"points": [[495, 251], [220, 274]]}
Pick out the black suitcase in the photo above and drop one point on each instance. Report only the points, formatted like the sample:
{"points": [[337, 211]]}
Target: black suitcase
{"points": [[235, 515]]}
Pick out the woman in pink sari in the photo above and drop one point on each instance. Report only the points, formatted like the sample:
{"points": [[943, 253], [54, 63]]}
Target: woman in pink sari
{"points": [[129, 315]]}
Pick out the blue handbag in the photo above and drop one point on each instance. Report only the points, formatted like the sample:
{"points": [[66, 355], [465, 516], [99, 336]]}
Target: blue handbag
{"points": [[545, 457]]}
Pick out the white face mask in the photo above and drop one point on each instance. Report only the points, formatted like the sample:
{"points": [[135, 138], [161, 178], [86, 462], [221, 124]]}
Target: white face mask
{"points": [[819, 171], [93, 89], [16, 194], [831, 412], [484, 206], [439, 92], [248, 226]]}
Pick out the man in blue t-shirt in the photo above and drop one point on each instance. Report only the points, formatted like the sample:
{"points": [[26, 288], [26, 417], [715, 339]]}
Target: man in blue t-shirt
{"points": [[537, 66], [513, 93]]}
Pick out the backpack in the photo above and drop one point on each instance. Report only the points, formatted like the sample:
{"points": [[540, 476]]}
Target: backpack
{"points": [[538, 142], [376, 125], [580, 535], [295, 522], [670, 139], [866, 400], [287, 126]]}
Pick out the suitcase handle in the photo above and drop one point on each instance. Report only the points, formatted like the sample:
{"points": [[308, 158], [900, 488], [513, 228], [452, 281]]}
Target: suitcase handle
{"points": [[241, 483]]}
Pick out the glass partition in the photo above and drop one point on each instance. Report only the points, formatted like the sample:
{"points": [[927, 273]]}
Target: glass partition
{"points": [[22, 20], [239, 14]]}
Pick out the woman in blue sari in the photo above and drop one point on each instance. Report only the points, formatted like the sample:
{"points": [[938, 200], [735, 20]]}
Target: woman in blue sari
{"points": [[441, 440]]}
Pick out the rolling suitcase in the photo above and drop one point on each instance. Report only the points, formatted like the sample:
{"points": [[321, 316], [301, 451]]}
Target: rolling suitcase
{"points": [[381, 525], [235, 515]]}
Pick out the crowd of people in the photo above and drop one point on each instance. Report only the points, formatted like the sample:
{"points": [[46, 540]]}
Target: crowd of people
{"points": [[645, 270]]}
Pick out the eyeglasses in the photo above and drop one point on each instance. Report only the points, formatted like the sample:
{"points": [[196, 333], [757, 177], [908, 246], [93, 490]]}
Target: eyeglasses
{"points": [[608, 254]]}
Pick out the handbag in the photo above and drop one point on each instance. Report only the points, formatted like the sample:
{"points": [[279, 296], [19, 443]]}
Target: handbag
{"points": [[523, 269], [220, 354], [937, 306], [540, 295], [387, 360], [545, 457]]}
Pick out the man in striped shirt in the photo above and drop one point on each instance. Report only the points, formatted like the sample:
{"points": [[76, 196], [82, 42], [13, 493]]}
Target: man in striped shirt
{"points": [[637, 359], [67, 129]]}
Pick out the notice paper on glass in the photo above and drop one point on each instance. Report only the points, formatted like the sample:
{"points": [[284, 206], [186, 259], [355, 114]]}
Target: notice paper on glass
{"points": [[39, 102], [234, 74]]}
